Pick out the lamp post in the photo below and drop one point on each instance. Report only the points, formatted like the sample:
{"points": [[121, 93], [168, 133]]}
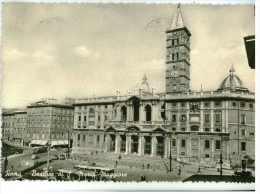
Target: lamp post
{"points": [[238, 120], [170, 150]]}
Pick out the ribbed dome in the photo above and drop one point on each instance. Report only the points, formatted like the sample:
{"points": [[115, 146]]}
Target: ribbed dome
{"points": [[232, 82]]}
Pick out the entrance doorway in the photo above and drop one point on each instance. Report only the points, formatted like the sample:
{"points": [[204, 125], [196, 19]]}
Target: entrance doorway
{"points": [[134, 144], [159, 146], [147, 145], [112, 143], [123, 143]]}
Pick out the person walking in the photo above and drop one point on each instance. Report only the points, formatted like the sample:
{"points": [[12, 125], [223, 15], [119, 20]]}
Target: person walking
{"points": [[148, 165]]}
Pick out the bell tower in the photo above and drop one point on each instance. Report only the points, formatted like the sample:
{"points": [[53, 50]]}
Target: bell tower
{"points": [[178, 56]]}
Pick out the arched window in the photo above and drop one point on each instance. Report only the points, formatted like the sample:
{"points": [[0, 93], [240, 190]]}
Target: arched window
{"points": [[148, 111], [123, 113]]}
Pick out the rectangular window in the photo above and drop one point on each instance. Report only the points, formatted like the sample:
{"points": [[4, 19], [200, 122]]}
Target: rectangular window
{"points": [[206, 144], [183, 143], [217, 145], [79, 118], [243, 119], [174, 118], [234, 104], [173, 142], [242, 105], [217, 104], [98, 138], [183, 118], [218, 130], [99, 117], [207, 118], [85, 118], [174, 104], [251, 134], [183, 104], [243, 132], [84, 137], [217, 118], [243, 146], [206, 104], [183, 129], [206, 155], [78, 136], [251, 106]]}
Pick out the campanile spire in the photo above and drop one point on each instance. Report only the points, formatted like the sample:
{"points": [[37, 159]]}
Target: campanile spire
{"points": [[178, 55]]}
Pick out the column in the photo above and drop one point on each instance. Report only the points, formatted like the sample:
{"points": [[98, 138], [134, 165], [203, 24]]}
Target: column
{"points": [[128, 112], [140, 145], [178, 147], [212, 148], [212, 120], [226, 127], [228, 150], [128, 141], [201, 118], [188, 120], [188, 149], [118, 113], [107, 143], [117, 144], [166, 146], [131, 113], [141, 111], [153, 152], [199, 148]]}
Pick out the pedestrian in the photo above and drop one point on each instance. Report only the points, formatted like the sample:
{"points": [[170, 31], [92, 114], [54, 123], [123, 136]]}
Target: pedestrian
{"points": [[199, 170], [116, 164], [12, 168], [141, 178], [148, 165], [179, 171], [144, 178], [143, 166]]}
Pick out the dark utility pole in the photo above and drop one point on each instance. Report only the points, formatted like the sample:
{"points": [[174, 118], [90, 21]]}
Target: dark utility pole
{"points": [[221, 162], [170, 150], [68, 144]]}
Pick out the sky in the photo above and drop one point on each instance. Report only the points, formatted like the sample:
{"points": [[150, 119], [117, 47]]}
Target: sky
{"points": [[85, 50]]}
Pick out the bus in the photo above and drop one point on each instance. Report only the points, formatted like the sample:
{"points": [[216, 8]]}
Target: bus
{"points": [[37, 150]]}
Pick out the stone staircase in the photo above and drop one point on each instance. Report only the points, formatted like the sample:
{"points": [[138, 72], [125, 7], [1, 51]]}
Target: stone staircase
{"points": [[131, 161]]}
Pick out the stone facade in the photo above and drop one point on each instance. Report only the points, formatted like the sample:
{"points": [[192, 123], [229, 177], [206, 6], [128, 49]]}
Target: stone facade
{"points": [[49, 121]]}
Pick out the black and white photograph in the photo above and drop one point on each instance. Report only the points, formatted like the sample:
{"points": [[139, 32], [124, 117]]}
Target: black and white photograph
{"points": [[116, 93]]}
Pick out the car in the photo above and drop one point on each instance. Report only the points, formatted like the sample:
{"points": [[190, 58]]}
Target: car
{"points": [[35, 156], [55, 157], [62, 157]]}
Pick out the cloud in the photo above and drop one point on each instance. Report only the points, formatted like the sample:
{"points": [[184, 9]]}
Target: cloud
{"points": [[83, 51], [13, 54]]}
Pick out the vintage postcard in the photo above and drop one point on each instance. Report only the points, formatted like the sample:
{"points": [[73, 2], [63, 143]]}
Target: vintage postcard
{"points": [[135, 96]]}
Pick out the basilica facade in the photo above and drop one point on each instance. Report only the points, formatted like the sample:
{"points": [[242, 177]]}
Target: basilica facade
{"points": [[186, 125]]}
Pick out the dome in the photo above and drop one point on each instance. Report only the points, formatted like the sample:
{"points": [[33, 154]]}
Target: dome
{"points": [[145, 86], [232, 82]]}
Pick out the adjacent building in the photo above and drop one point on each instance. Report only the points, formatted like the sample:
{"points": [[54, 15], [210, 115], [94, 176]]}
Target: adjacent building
{"points": [[48, 120], [187, 125]]}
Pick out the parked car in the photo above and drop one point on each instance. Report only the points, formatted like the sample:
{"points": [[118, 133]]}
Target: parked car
{"points": [[62, 157], [55, 157], [35, 156]]}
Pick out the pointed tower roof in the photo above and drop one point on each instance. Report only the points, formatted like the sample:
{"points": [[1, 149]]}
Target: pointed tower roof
{"points": [[178, 20]]}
